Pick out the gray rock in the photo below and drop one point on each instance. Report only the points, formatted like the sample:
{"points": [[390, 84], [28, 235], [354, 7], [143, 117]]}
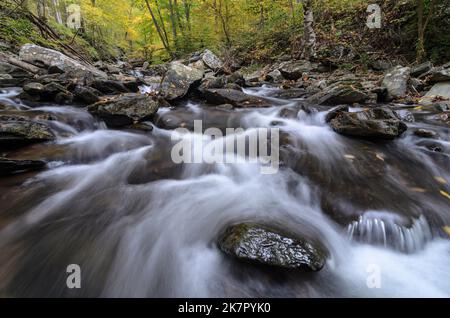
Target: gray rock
{"points": [[34, 88], [258, 244], [44, 57], [339, 93], [421, 70], [86, 95], [439, 90], [110, 87], [375, 123], [211, 60], [127, 109], [18, 133], [14, 166], [335, 111], [179, 80], [381, 65], [396, 82], [440, 74], [294, 70], [275, 76], [234, 97]]}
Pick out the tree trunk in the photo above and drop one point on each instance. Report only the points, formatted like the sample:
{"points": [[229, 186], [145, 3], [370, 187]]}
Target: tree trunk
{"points": [[309, 36], [158, 29], [422, 24], [58, 17]]}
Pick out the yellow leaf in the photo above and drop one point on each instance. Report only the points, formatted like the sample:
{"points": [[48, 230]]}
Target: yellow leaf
{"points": [[421, 190], [418, 108], [440, 180], [446, 229], [445, 194]]}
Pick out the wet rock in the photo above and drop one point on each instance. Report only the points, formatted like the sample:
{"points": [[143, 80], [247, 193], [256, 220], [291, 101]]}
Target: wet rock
{"points": [[421, 70], [11, 75], [257, 244], [405, 115], [178, 80], [294, 70], [335, 111], [256, 76], [110, 87], [127, 109], [376, 123], [86, 95], [13, 166], [211, 60], [52, 92], [425, 133], [18, 133], [339, 93], [44, 57], [235, 97], [396, 82], [56, 69]]}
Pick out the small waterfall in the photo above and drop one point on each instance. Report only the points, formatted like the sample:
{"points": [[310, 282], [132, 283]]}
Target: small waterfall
{"points": [[381, 228]]}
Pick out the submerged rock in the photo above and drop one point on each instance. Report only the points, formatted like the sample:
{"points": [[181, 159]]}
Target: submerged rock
{"points": [[178, 80], [339, 93], [396, 82], [127, 109], [13, 166], [254, 243], [232, 96], [376, 123], [18, 133]]}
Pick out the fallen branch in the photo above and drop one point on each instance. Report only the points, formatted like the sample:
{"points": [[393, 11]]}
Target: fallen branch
{"points": [[21, 64]]}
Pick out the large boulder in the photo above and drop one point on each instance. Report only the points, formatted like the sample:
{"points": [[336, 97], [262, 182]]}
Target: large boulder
{"points": [[258, 244], [14, 166], [374, 123], [127, 109], [86, 95], [396, 82], [44, 57], [211, 60], [340, 93], [18, 133], [234, 97], [294, 70], [178, 80]]}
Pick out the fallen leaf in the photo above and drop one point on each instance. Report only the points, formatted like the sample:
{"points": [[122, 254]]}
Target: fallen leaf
{"points": [[446, 229], [421, 190], [379, 156], [350, 157], [418, 108], [440, 180], [445, 194]]}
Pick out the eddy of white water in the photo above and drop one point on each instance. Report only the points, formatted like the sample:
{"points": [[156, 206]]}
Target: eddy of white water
{"points": [[134, 236]]}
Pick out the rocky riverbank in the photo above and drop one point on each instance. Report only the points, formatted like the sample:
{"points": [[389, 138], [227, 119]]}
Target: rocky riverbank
{"points": [[376, 106]]}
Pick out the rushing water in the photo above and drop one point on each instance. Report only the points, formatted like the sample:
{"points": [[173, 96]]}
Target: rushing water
{"points": [[139, 225]]}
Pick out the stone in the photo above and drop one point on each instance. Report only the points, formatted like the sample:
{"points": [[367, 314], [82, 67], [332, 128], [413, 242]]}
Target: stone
{"points": [[234, 97], [293, 70], [211, 60], [44, 57], [178, 81], [86, 95], [374, 123], [425, 133], [396, 82], [421, 70], [339, 93], [439, 90], [440, 74], [127, 109], [14, 166], [18, 133], [261, 245]]}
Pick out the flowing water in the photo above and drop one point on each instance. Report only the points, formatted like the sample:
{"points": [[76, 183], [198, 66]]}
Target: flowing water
{"points": [[139, 225]]}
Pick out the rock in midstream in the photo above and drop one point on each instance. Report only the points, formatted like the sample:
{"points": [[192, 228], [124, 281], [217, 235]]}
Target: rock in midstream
{"points": [[258, 244]]}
